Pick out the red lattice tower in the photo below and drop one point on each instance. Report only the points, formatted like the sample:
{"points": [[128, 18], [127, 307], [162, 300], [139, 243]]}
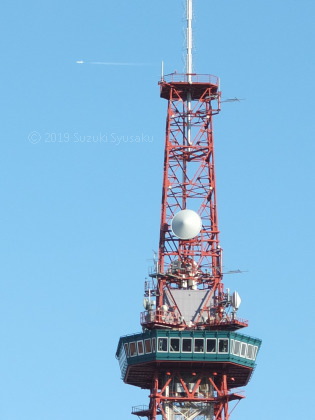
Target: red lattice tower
{"points": [[189, 355], [189, 179]]}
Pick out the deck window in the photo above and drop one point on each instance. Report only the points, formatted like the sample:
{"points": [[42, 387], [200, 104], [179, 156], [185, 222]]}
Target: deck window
{"points": [[250, 352], [153, 345], [126, 349], [147, 345], [186, 345], [255, 352], [122, 359], [211, 345], [243, 349], [162, 344], [223, 345], [232, 346], [174, 344], [132, 349], [199, 345], [237, 348], [140, 347]]}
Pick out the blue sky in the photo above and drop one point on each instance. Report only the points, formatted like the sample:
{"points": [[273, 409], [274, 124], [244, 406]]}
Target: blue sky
{"points": [[79, 218]]}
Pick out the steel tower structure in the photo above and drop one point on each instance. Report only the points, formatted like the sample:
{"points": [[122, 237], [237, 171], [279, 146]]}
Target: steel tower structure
{"points": [[189, 354]]}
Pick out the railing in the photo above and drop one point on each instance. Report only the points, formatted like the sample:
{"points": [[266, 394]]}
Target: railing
{"points": [[193, 78], [150, 285], [160, 317], [202, 399], [228, 320], [174, 319], [139, 408]]}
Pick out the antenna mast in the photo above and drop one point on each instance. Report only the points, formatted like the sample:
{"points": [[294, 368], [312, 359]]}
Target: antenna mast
{"points": [[189, 37], [189, 61]]}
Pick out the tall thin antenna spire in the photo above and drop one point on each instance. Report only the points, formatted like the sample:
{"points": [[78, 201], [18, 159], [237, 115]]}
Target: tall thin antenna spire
{"points": [[189, 37], [189, 62]]}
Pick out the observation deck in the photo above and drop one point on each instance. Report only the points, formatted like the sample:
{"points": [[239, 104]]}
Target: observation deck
{"points": [[200, 86], [217, 352]]}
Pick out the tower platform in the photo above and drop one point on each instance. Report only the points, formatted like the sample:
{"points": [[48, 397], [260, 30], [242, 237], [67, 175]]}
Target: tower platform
{"points": [[212, 352], [199, 86]]}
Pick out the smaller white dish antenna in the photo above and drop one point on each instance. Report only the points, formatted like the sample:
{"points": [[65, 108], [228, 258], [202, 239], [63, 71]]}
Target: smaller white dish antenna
{"points": [[186, 224], [236, 300], [148, 304], [145, 303]]}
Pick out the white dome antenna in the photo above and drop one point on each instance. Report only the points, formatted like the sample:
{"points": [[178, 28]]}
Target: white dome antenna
{"points": [[186, 224]]}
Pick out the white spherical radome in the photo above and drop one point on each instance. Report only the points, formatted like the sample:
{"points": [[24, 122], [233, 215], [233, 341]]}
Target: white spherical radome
{"points": [[186, 224]]}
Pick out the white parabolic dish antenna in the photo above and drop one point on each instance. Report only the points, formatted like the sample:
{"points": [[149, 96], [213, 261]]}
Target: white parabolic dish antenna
{"points": [[236, 300], [186, 224]]}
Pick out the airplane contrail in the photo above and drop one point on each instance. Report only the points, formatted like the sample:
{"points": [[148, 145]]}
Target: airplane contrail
{"points": [[112, 63]]}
